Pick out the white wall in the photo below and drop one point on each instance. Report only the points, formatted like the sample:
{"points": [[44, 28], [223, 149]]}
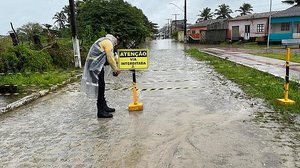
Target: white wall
{"points": [[253, 27]]}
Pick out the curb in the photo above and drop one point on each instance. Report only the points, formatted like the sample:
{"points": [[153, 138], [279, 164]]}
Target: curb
{"points": [[35, 96]]}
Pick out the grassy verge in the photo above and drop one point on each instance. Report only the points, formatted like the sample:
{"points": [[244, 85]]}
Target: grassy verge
{"points": [[254, 83], [250, 45], [36, 81], [295, 57]]}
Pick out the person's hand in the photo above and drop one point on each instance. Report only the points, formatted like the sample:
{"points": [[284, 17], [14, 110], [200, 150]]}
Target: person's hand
{"points": [[116, 73]]}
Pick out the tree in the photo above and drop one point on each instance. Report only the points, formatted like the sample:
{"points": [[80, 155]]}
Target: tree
{"points": [[114, 16], [223, 12], [206, 14], [245, 9], [292, 2], [60, 19], [29, 31]]}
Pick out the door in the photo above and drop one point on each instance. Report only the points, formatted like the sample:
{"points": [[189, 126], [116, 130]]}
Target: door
{"points": [[235, 32], [247, 32]]}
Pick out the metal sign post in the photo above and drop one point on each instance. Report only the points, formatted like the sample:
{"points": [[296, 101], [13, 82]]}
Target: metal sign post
{"points": [[133, 59], [286, 100]]}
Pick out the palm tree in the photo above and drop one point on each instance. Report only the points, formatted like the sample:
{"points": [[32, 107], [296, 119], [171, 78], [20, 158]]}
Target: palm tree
{"points": [[223, 12], [245, 9], [60, 18], [292, 2], [206, 14]]}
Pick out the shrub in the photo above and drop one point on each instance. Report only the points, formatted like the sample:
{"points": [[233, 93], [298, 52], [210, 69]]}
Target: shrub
{"points": [[22, 59], [8, 62], [61, 55]]}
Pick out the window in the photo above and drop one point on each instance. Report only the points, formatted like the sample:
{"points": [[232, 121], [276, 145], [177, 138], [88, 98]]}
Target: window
{"points": [[260, 28], [193, 32], [285, 26]]}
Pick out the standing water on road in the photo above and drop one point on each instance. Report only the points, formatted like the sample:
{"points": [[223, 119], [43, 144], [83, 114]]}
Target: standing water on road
{"points": [[192, 117]]}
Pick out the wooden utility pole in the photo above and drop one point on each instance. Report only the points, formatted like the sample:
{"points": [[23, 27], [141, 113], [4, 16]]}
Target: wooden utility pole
{"points": [[74, 35]]}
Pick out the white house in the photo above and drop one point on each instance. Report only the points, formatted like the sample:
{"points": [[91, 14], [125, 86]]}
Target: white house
{"points": [[249, 27]]}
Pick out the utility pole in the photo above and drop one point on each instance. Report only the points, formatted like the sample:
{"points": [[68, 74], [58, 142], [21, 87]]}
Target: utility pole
{"points": [[74, 35], [185, 37], [169, 32], [175, 21], [269, 27]]}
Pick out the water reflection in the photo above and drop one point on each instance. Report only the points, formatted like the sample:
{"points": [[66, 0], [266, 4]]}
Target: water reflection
{"points": [[166, 44]]}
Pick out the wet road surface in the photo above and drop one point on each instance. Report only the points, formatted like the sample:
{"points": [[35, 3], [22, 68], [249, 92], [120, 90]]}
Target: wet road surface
{"points": [[192, 117]]}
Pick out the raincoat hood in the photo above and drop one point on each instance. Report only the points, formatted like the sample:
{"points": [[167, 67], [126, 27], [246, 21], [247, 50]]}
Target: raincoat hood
{"points": [[112, 38]]}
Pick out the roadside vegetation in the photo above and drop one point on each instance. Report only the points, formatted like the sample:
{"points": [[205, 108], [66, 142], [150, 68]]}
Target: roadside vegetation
{"points": [[254, 83], [42, 54], [28, 82], [295, 57]]}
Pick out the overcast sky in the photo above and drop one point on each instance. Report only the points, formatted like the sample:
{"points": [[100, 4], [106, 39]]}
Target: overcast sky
{"points": [[158, 11]]}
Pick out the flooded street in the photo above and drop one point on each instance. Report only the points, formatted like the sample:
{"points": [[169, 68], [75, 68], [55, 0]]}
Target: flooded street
{"points": [[192, 117]]}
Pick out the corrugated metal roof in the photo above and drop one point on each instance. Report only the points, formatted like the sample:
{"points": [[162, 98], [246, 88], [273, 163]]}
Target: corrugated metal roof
{"points": [[290, 12], [205, 23], [254, 16]]}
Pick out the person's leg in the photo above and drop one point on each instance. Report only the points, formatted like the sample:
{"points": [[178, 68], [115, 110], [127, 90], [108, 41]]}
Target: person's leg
{"points": [[102, 113], [106, 108]]}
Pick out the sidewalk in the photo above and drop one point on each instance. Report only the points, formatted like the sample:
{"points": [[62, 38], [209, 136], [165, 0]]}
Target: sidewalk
{"points": [[273, 66]]}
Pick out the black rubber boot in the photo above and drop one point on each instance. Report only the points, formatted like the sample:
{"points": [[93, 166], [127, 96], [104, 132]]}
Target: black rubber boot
{"points": [[108, 109], [102, 113]]}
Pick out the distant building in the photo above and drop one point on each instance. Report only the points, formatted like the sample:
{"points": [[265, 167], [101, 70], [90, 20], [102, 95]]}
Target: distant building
{"points": [[197, 32], [249, 27], [286, 24], [177, 25], [218, 31]]}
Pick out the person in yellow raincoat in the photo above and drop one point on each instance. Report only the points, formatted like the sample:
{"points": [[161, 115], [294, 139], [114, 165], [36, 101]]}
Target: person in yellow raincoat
{"points": [[93, 83]]}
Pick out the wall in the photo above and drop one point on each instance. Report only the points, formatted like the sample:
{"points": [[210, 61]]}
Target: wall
{"points": [[278, 35], [197, 34], [253, 27], [181, 36], [216, 35]]}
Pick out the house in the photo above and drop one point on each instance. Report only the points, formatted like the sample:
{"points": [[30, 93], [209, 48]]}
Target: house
{"points": [[197, 32], [177, 25], [286, 24], [249, 27], [217, 32]]}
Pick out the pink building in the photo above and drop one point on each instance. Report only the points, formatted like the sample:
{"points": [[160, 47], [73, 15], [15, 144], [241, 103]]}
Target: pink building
{"points": [[250, 27]]}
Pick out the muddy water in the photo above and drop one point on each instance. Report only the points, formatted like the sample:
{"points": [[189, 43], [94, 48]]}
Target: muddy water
{"points": [[192, 117]]}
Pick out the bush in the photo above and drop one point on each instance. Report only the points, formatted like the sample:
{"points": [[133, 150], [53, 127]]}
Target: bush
{"points": [[8, 62], [61, 55], [22, 59]]}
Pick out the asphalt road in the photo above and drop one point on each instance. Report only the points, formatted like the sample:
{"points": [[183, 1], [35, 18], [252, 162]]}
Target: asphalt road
{"points": [[192, 117]]}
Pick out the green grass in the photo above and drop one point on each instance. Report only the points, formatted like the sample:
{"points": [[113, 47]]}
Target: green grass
{"points": [[253, 82], [295, 57], [250, 45], [27, 81]]}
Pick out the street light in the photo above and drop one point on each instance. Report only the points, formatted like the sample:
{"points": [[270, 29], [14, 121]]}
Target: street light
{"points": [[176, 6], [269, 32]]}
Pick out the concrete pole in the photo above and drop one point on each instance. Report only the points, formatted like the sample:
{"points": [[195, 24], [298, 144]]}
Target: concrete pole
{"points": [[75, 40], [185, 37], [269, 27]]}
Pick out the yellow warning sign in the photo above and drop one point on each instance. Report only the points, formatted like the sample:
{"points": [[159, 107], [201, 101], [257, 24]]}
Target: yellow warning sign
{"points": [[130, 59]]}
